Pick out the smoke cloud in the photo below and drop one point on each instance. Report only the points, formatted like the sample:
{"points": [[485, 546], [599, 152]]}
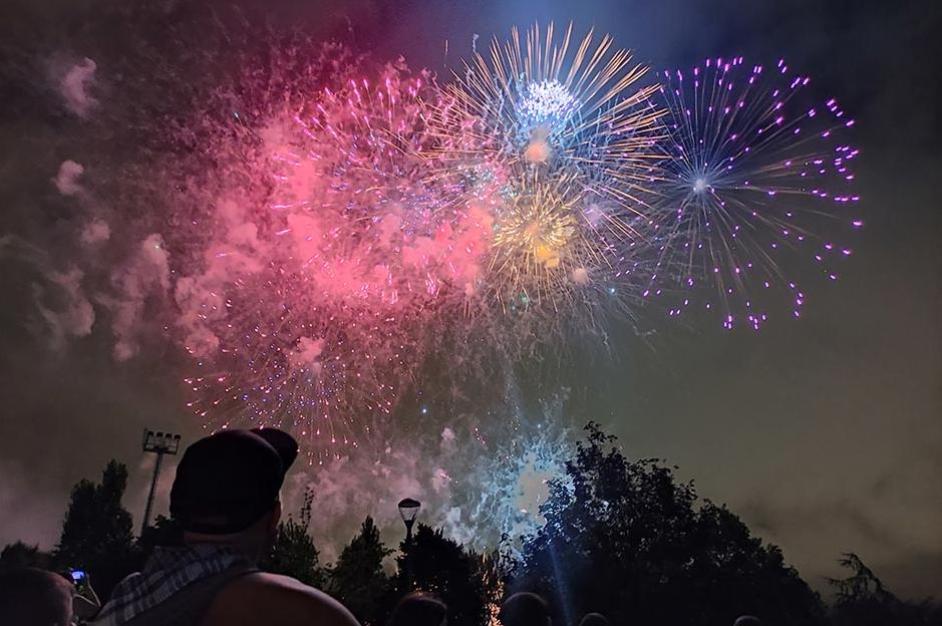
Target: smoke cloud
{"points": [[66, 181], [75, 87]]}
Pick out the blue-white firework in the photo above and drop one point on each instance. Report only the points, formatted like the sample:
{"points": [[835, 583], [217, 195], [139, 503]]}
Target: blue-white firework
{"points": [[515, 482]]}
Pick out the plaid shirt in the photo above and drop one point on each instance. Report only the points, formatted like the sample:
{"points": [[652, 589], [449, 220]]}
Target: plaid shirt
{"points": [[166, 572]]}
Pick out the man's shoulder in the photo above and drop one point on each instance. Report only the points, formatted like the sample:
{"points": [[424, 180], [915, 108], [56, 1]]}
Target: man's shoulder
{"points": [[278, 600], [287, 589]]}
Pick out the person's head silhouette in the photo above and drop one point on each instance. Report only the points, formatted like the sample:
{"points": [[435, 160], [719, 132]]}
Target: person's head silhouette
{"points": [[593, 619], [419, 609], [524, 609], [226, 489], [35, 597]]}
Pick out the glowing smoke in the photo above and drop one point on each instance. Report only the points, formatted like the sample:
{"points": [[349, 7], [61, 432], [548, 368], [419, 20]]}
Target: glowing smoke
{"points": [[75, 87]]}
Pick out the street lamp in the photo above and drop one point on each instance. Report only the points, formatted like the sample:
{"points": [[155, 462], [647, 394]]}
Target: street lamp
{"points": [[161, 444], [408, 509]]}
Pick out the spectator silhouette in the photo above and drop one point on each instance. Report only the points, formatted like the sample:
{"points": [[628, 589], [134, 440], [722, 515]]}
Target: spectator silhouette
{"points": [[419, 609], [593, 619], [35, 597], [524, 609], [225, 497], [747, 620]]}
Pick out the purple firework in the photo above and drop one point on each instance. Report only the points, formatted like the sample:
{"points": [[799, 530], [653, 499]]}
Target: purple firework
{"points": [[754, 170]]}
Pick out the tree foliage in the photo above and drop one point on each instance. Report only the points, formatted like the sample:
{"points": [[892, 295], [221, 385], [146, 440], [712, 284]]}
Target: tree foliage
{"points": [[863, 600], [437, 564], [358, 579], [19, 554], [293, 552], [96, 534], [163, 532], [628, 540]]}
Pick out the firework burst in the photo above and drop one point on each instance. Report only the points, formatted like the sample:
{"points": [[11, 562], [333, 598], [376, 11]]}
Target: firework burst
{"points": [[561, 106], [568, 135], [553, 250], [333, 285], [754, 169], [327, 234], [536, 240], [322, 293], [514, 482]]}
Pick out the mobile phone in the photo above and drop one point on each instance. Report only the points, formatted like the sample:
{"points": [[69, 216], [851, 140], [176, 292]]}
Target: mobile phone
{"points": [[78, 576]]}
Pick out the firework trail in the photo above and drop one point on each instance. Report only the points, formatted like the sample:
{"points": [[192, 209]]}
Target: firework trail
{"points": [[753, 170]]}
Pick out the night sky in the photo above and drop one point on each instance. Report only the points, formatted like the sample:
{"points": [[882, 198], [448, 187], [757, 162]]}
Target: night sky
{"points": [[822, 433]]}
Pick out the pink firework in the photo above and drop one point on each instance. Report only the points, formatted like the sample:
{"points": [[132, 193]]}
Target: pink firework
{"points": [[315, 307]]}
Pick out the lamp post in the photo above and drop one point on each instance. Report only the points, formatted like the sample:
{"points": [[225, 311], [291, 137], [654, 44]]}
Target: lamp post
{"points": [[408, 510], [161, 444]]}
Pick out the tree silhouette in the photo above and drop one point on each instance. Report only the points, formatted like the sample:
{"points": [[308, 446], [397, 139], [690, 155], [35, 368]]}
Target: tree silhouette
{"points": [[163, 532], [358, 579], [733, 573], [442, 566], [19, 554], [96, 533], [863, 600], [294, 553], [626, 539]]}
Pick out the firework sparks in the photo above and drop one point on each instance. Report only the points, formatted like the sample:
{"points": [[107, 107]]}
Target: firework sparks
{"points": [[323, 294], [535, 239], [358, 251], [564, 107], [752, 168], [563, 127], [519, 479], [327, 233]]}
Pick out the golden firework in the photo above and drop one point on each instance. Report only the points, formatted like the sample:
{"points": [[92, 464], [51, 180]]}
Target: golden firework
{"points": [[539, 242]]}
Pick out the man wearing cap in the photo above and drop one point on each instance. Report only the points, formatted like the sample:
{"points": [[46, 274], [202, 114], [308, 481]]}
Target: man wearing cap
{"points": [[225, 496]]}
